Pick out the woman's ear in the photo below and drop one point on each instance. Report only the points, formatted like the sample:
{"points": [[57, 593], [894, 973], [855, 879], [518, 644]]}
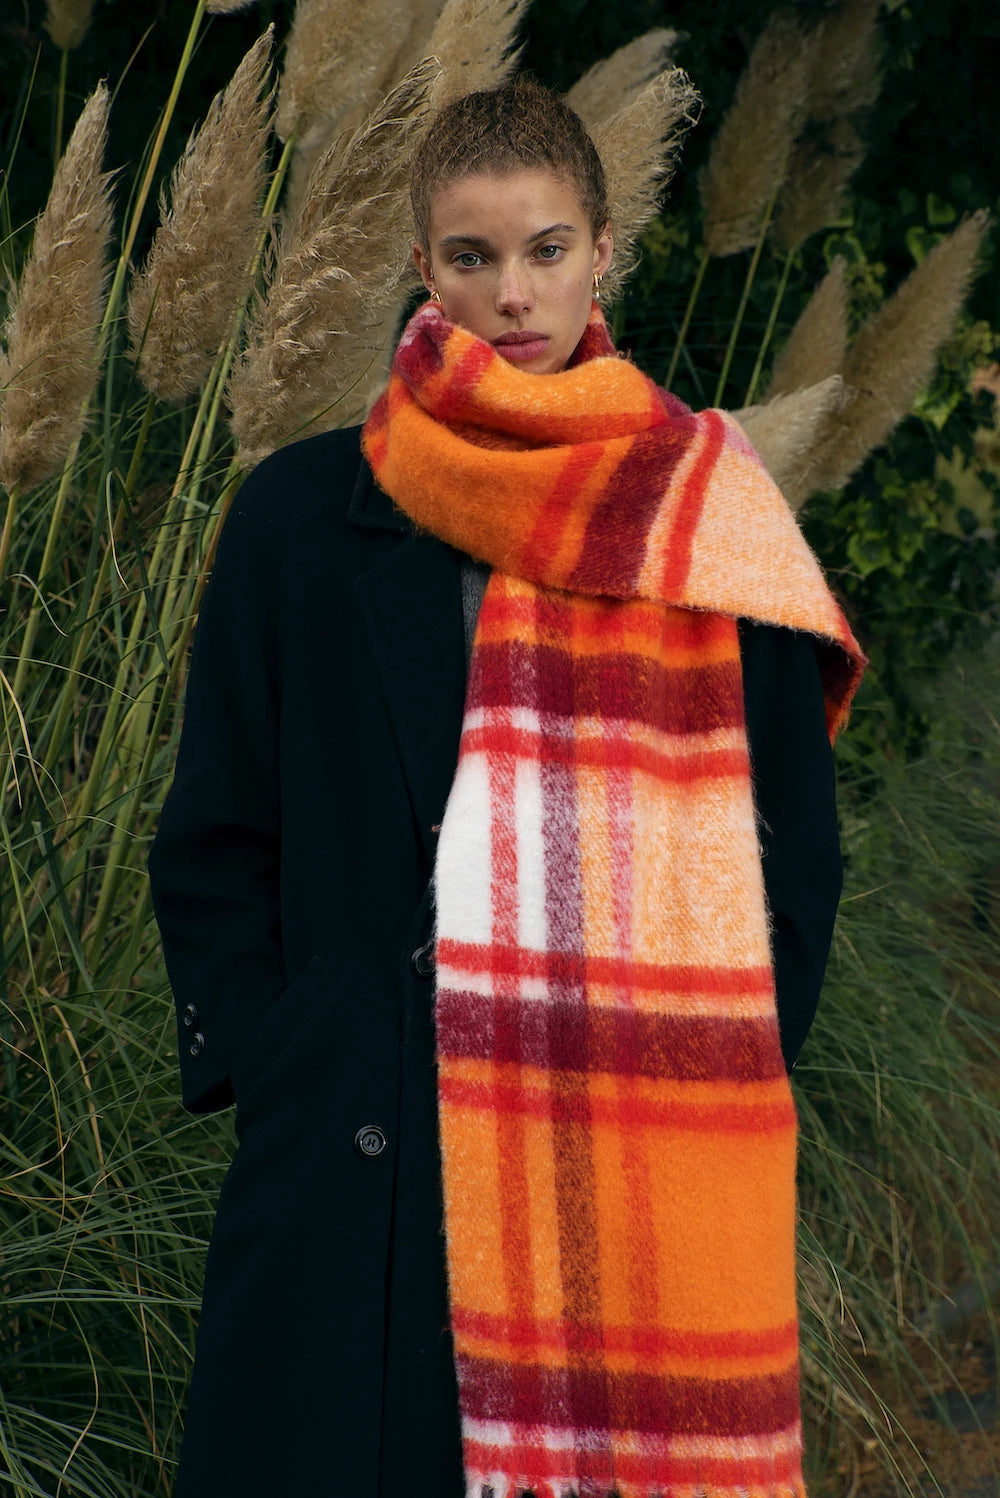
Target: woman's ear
{"points": [[423, 264], [604, 247]]}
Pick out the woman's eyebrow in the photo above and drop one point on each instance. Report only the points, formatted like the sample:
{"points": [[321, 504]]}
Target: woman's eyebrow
{"points": [[480, 242], [552, 229], [476, 240]]}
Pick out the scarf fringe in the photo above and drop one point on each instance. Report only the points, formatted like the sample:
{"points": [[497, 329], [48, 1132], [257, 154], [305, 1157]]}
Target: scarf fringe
{"points": [[502, 1487]]}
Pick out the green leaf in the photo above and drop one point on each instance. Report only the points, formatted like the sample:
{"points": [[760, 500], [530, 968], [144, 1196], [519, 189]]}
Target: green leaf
{"points": [[938, 211], [920, 240]]}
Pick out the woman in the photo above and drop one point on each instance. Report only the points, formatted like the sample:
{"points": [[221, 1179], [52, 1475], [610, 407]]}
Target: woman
{"points": [[462, 850]]}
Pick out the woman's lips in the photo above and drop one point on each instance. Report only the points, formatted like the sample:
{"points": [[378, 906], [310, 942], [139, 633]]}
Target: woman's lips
{"points": [[521, 346]]}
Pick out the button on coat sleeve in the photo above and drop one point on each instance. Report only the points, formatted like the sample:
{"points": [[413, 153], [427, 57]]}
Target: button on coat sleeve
{"points": [[214, 861], [795, 792]]}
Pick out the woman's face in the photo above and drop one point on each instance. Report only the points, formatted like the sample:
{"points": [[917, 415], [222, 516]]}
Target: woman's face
{"points": [[512, 255]]}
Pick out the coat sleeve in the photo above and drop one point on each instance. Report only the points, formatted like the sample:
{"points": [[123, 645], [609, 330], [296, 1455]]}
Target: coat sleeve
{"points": [[795, 791], [214, 861]]}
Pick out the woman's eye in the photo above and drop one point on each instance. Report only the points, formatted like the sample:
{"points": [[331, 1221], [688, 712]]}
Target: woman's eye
{"points": [[468, 259], [550, 251]]}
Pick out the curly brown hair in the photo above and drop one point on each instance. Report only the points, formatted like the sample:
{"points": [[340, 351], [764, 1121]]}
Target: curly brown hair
{"points": [[518, 125]]}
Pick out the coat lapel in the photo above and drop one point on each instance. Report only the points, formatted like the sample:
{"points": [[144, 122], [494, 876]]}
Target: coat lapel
{"points": [[412, 604]]}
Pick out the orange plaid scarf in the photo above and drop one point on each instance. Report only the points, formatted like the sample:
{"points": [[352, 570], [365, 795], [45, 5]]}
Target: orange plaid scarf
{"points": [[617, 1129]]}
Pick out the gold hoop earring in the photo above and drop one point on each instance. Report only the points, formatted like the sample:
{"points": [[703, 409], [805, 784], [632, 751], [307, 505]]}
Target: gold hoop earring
{"points": [[436, 296], [597, 286]]}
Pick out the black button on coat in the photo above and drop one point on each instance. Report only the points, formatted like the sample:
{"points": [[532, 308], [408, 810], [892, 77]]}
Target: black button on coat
{"points": [[290, 882]]}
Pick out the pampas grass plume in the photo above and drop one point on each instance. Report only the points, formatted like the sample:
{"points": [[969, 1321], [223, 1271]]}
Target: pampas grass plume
{"points": [[638, 145], [335, 274], [473, 40], [843, 57], [67, 21], [332, 59], [844, 75], [818, 341], [53, 331], [749, 155], [815, 191], [894, 354], [784, 431], [226, 7], [415, 29], [615, 80], [183, 304]]}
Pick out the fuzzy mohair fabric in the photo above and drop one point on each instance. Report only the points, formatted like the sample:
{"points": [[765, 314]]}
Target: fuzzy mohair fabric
{"points": [[617, 1129]]}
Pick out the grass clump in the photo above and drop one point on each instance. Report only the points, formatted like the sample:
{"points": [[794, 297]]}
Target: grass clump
{"points": [[899, 1088]]}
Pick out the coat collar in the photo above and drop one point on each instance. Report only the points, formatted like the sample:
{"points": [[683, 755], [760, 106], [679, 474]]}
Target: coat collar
{"points": [[371, 507], [411, 600]]}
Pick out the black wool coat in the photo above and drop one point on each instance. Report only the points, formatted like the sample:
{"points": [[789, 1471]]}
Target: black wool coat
{"points": [[289, 875]]}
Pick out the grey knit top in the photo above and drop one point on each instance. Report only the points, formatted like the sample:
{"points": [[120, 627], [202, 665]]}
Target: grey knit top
{"points": [[475, 576]]}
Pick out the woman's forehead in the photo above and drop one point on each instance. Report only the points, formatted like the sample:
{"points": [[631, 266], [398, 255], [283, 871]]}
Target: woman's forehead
{"points": [[510, 205]]}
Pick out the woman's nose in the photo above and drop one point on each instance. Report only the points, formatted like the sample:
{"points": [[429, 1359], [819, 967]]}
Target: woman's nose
{"points": [[514, 292]]}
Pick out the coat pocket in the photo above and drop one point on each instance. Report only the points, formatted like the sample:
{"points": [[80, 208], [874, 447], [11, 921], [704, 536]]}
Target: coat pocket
{"points": [[281, 1029]]}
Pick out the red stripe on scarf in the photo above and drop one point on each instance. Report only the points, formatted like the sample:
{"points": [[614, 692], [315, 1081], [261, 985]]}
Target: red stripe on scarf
{"points": [[616, 687], [680, 631], [681, 1406], [530, 1332], [685, 522], [612, 554], [575, 968], [567, 1099], [547, 534], [629, 1042], [679, 769]]}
